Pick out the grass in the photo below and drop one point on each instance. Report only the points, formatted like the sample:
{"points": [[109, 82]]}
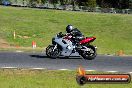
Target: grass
{"points": [[113, 31], [23, 78]]}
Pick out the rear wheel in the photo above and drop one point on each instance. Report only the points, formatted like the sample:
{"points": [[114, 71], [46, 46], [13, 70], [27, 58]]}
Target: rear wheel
{"points": [[90, 54], [52, 52]]}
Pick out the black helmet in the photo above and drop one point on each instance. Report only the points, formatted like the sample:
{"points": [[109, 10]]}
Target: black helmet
{"points": [[69, 28]]}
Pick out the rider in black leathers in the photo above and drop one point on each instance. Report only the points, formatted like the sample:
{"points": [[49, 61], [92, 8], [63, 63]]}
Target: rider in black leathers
{"points": [[77, 35]]}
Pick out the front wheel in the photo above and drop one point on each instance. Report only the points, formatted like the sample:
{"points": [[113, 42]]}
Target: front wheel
{"points": [[90, 54], [52, 51]]}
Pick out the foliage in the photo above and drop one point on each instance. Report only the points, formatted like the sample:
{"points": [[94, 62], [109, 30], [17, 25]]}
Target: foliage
{"points": [[91, 3], [0, 1], [43, 1], [122, 4], [34, 3], [53, 1], [88, 3], [65, 2]]}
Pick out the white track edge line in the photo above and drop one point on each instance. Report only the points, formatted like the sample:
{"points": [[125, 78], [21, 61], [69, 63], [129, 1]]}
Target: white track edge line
{"points": [[112, 71], [8, 67], [90, 70], [18, 51], [37, 68], [63, 69]]}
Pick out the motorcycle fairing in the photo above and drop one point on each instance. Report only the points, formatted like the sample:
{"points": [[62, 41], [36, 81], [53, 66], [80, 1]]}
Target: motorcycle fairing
{"points": [[66, 45]]}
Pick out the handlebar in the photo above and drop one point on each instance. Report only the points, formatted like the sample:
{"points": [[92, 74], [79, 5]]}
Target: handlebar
{"points": [[60, 34]]}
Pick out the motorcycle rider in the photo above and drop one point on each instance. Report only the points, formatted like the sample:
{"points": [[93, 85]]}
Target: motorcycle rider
{"points": [[77, 35]]}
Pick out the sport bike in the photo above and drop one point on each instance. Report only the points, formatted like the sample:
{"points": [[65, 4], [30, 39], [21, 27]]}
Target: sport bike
{"points": [[64, 46]]}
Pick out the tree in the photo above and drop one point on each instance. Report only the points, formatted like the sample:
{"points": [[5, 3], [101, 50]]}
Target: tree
{"points": [[43, 1], [54, 2], [0, 1], [130, 4], [122, 4], [33, 3], [91, 3], [65, 2]]}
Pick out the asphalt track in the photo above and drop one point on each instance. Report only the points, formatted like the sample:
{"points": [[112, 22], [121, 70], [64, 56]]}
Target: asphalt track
{"points": [[39, 60]]}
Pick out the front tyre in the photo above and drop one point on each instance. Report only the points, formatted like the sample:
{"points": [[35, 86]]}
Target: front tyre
{"points": [[90, 54], [48, 50], [52, 52]]}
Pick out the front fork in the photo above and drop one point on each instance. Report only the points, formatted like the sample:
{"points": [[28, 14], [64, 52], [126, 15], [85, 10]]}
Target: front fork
{"points": [[55, 47]]}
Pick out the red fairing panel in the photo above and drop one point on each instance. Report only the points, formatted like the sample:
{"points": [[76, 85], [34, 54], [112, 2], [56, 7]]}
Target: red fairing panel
{"points": [[87, 40]]}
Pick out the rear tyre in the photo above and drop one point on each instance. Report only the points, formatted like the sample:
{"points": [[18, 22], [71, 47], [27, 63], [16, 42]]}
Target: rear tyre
{"points": [[51, 52], [90, 54]]}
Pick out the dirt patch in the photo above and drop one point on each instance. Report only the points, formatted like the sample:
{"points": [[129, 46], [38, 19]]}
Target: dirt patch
{"points": [[4, 44]]}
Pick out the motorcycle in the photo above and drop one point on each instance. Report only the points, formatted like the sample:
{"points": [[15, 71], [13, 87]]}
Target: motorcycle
{"points": [[64, 46]]}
